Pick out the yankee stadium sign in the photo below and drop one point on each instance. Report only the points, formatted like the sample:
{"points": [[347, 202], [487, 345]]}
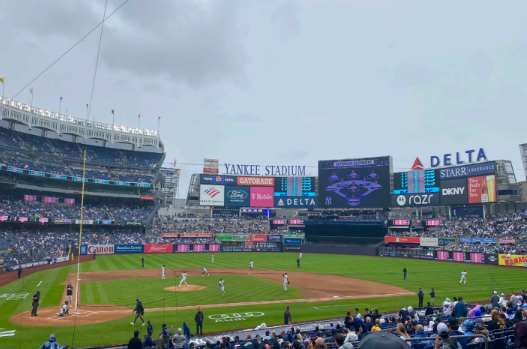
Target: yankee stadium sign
{"points": [[255, 170]]}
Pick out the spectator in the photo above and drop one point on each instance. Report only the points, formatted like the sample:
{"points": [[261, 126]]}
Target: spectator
{"points": [[360, 327], [135, 342], [377, 326], [503, 301], [453, 326], [403, 314], [429, 310], [447, 307], [179, 339], [52, 344], [347, 320], [495, 300], [520, 336], [479, 328], [460, 308], [149, 343], [339, 341], [401, 332], [443, 337], [497, 322]]}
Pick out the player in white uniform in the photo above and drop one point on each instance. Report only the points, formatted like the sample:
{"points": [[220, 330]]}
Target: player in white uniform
{"points": [[300, 255], [222, 284], [205, 272], [285, 281], [212, 259], [463, 277], [252, 265], [184, 280], [163, 272]]}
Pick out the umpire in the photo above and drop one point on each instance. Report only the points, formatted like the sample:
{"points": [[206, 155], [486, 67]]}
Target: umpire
{"points": [[199, 322], [36, 300], [139, 312]]}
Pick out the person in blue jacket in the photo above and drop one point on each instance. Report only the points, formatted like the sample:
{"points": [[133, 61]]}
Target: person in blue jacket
{"points": [[460, 308]]}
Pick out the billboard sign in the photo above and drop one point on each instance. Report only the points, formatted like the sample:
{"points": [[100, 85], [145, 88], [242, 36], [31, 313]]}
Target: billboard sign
{"points": [[128, 248], [258, 237], [217, 179], [475, 211], [468, 170], [507, 241], [471, 156], [237, 196], [294, 186], [402, 239], [211, 195], [417, 181], [170, 235], [210, 166], [241, 237], [256, 181], [296, 201], [262, 197], [289, 241], [100, 249], [481, 189], [254, 170], [429, 242], [158, 248], [491, 258], [481, 240], [196, 235], [454, 191], [224, 237], [415, 200], [512, 260], [274, 238], [358, 183], [446, 241]]}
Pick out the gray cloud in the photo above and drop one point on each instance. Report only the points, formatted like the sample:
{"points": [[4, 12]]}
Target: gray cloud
{"points": [[410, 75], [295, 155], [248, 117], [454, 91], [482, 65], [286, 17]]}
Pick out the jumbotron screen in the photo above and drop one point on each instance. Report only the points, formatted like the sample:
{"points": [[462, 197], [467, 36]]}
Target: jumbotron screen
{"points": [[355, 183]]}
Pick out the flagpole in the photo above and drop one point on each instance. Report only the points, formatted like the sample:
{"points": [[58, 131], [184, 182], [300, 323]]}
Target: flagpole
{"points": [[80, 233], [3, 88], [158, 119], [60, 105]]}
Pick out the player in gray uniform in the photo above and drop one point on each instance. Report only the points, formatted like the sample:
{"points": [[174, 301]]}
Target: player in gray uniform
{"points": [[205, 272], [222, 287], [286, 281]]}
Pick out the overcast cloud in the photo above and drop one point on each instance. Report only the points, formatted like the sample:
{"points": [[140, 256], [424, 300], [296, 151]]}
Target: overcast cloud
{"points": [[283, 82]]}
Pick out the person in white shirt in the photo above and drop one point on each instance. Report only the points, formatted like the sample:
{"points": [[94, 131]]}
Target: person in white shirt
{"points": [[64, 310], [222, 285], [447, 307], [205, 272], [252, 265], [463, 277], [163, 272], [503, 301], [285, 281], [300, 255], [212, 258], [184, 279]]}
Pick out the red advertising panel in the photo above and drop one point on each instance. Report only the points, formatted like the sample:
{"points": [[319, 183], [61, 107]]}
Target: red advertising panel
{"points": [[196, 235], [401, 222], [279, 221], [507, 241], [4, 218], [257, 181], [147, 197], [432, 223], [296, 221], [258, 237], [476, 257], [402, 239], [261, 197], [459, 256], [442, 255], [159, 248], [170, 235], [481, 189]]}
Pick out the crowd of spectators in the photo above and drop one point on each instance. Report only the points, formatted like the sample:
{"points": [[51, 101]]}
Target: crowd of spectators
{"points": [[25, 246]]}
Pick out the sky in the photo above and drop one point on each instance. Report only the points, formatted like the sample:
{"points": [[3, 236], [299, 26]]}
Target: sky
{"points": [[282, 82]]}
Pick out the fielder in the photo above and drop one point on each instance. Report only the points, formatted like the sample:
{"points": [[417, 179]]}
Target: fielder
{"points": [[184, 280], [286, 281], [252, 265], [463, 277], [300, 256], [163, 272], [139, 312], [212, 259], [205, 272], [222, 285]]}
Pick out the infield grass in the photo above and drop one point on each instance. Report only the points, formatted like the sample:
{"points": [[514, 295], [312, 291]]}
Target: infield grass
{"points": [[443, 276]]}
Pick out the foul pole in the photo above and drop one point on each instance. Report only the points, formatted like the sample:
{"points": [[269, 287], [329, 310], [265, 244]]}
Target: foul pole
{"points": [[80, 233]]}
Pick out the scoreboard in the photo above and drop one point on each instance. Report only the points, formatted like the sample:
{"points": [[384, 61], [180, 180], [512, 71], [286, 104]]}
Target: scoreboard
{"points": [[420, 181], [294, 186]]}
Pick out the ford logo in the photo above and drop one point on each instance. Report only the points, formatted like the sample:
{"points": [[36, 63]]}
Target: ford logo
{"points": [[237, 194]]}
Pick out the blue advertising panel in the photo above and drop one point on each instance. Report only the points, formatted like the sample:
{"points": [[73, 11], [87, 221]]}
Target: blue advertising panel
{"points": [[128, 249], [217, 179], [274, 238], [237, 196], [290, 241], [474, 211], [84, 249], [485, 241], [296, 201], [468, 170]]}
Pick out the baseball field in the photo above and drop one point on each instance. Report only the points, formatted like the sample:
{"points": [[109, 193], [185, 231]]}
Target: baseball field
{"points": [[325, 287]]}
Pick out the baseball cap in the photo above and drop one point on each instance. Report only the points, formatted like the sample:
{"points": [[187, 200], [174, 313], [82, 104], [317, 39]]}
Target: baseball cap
{"points": [[453, 322], [468, 325], [349, 312], [479, 325], [442, 330]]}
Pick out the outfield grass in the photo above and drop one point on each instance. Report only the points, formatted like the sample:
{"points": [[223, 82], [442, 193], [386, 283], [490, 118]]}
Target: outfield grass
{"points": [[444, 277]]}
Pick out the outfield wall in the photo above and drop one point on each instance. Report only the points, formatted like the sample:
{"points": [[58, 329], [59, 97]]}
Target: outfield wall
{"points": [[455, 256], [339, 249]]}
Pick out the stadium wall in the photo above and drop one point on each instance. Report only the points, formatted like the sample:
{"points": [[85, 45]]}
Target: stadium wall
{"points": [[361, 233], [339, 249]]}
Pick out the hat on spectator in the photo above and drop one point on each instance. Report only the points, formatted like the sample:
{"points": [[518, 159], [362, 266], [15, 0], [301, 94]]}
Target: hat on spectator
{"points": [[468, 325], [479, 325], [382, 340], [442, 330]]}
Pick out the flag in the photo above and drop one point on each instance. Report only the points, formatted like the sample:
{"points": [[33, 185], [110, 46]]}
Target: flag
{"points": [[2, 80], [112, 111], [86, 105], [175, 161], [61, 99], [159, 118], [139, 117], [31, 90]]}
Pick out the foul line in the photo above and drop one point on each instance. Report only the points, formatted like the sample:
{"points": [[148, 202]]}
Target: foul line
{"points": [[39, 283]]}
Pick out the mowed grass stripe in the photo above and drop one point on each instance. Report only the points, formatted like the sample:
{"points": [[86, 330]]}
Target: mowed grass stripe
{"points": [[88, 294]]}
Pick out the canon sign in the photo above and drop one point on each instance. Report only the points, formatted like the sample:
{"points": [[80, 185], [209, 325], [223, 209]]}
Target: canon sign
{"points": [[454, 191], [100, 249], [413, 200]]}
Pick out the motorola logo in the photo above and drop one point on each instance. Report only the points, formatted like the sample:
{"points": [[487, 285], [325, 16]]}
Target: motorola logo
{"points": [[401, 200]]}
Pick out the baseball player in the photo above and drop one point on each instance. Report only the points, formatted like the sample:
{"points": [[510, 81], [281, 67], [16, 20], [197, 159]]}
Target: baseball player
{"points": [[298, 263], [286, 281], [163, 272], [252, 265], [300, 256], [212, 259], [69, 293], [205, 272], [222, 287], [64, 310], [463, 277], [139, 312], [184, 280]]}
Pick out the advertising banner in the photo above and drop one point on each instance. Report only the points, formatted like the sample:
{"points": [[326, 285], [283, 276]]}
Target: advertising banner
{"points": [[63, 221], [210, 166], [357, 183], [198, 248], [100, 249], [170, 235], [147, 197], [257, 181], [481, 189], [468, 170], [415, 200], [128, 248], [292, 248], [137, 224], [158, 248], [296, 201], [513, 260], [507, 241], [196, 235], [477, 257], [241, 237], [224, 237], [181, 248], [429, 242], [289, 241], [214, 248], [294, 186], [237, 196], [258, 237], [402, 239], [454, 192], [274, 238], [262, 197], [217, 179], [445, 241], [483, 241], [301, 236], [83, 249], [491, 258], [84, 221], [474, 211], [211, 195]]}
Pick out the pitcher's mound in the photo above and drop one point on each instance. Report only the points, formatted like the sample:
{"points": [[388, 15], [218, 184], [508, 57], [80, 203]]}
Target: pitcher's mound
{"points": [[188, 288]]}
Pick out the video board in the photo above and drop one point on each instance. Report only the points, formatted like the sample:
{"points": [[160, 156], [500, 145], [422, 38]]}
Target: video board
{"points": [[481, 189], [416, 182], [294, 186], [354, 183]]}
